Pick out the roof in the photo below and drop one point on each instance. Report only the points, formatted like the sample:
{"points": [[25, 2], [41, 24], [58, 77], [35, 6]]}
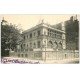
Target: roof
{"points": [[46, 25]]}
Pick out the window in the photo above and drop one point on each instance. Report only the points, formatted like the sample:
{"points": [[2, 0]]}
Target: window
{"points": [[38, 44], [55, 35], [34, 33], [34, 45], [44, 32], [24, 45], [30, 44], [24, 37], [31, 35], [38, 33], [27, 45], [26, 55], [22, 55], [18, 55], [48, 33], [27, 36]]}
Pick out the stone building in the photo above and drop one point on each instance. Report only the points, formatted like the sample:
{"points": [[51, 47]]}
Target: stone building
{"points": [[45, 41], [43, 38], [72, 33]]}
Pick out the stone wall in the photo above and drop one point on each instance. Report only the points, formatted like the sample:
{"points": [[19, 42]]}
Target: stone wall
{"points": [[48, 55], [59, 55]]}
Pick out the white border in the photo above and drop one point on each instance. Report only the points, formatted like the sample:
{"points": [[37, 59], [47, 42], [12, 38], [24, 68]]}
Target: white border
{"points": [[42, 71]]}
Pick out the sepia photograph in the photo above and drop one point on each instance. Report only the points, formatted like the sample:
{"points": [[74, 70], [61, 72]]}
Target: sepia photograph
{"points": [[40, 38]]}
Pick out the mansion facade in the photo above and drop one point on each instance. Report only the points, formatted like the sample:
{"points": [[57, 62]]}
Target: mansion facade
{"points": [[41, 40], [51, 41], [43, 36]]}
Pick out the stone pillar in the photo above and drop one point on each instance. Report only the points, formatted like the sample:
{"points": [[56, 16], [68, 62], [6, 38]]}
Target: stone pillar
{"points": [[63, 41], [63, 36]]}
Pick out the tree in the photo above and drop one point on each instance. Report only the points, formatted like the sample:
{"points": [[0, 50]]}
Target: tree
{"points": [[10, 37]]}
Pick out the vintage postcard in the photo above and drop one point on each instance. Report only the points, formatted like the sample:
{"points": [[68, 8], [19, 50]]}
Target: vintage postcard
{"points": [[40, 39]]}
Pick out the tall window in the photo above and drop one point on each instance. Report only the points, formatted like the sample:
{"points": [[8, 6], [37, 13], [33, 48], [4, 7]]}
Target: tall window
{"points": [[34, 33], [34, 45], [30, 44], [55, 35], [24, 45], [26, 55], [22, 55], [24, 37], [18, 55], [27, 36], [27, 45], [48, 33], [38, 44], [31, 35], [38, 33]]}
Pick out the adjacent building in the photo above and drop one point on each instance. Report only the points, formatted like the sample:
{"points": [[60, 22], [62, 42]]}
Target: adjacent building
{"points": [[72, 33]]}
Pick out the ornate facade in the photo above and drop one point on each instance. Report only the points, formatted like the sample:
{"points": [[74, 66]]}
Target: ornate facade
{"points": [[41, 39], [43, 36], [45, 41]]}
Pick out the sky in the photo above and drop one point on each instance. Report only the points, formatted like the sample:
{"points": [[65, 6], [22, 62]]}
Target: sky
{"points": [[28, 21]]}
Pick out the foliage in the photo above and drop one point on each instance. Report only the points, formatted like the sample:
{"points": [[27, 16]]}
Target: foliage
{"points": [[10, 37]]}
